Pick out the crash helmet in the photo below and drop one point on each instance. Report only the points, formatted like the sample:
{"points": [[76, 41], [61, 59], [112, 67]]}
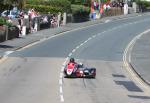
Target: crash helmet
{"points": [[72, 60]]}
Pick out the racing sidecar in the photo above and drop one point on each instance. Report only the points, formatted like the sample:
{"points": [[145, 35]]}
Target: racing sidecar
{"points": [[79, 71]]}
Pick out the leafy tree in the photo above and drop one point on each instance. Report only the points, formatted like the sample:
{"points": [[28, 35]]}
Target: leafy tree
{"points": [[49, 5], [80, 2], [19, 3]]}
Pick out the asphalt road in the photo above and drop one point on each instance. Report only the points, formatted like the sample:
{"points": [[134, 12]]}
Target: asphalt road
{"points": [[33, 75]]}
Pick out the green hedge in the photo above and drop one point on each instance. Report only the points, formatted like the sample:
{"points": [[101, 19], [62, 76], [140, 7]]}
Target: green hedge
{"points": [[44, 9], [64, 5], [80, 13], [145, 3], [4, 7], [79, 8], [3, 21]]}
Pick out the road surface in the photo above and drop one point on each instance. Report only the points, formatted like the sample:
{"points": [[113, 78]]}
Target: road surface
{"points": [[34, 74]]}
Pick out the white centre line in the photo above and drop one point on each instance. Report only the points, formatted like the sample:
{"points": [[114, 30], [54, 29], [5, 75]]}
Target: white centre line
{"points": [[73, 50], [60, 82], [61, 98], [61, 75], [8, 52], [69, 54], [60, 90]]}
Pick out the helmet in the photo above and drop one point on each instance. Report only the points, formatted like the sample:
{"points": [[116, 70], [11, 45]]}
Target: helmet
{"points": [[72, 60]]}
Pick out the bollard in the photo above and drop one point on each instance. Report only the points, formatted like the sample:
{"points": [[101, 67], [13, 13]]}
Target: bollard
{"points": [[6, 32], [19, 30], [36, 27], [58, 19], [24, 31], [64, 18], [125, 9]]}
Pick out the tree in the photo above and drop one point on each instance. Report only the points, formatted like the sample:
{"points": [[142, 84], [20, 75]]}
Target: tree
{"points": [[81, 2], [19, 3]]}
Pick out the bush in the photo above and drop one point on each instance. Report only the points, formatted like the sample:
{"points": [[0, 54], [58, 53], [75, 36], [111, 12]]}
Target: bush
{"points": [[44, 9], [3, 21], [64, 5], [80, 13], [5, 7], [79, 8], [144, 3]]}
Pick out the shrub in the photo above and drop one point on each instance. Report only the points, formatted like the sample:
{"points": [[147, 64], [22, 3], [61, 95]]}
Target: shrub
{"points": [[79, 8], [80, 13], [144, 3], [44, 9], [3, 21], [64, 5]]}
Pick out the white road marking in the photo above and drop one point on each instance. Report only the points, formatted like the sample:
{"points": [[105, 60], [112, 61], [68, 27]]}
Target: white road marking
{"points": [[77, 47], [64, 63], [70, 54], [61, 98], [94, 36], [61, 75], [89, 38], [60, 90], [126, 61], [73, 50], [62, 69], [81, 44], [66, 59], [107, 21], [85, 41], [60, 82], [8, 52]]}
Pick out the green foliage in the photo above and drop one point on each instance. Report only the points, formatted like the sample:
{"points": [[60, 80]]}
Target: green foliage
{"points": [[44, 9], [81, 2], [144, 3], [79, 8], [64, 5], [3, 21], [3, 7], [80, 13]]}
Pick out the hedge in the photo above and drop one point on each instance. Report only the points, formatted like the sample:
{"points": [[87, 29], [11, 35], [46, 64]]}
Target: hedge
{"points": [[4, 7], [3, 21], [65, 5], [44, 9], [80, 13], [145, 3], [79, 8]]}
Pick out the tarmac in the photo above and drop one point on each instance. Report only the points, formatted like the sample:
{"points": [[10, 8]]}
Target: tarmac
{"points": [[140, 57]]}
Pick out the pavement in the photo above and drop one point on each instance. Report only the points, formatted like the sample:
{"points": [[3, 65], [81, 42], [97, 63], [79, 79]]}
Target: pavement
{"points": [[140, 57]]}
